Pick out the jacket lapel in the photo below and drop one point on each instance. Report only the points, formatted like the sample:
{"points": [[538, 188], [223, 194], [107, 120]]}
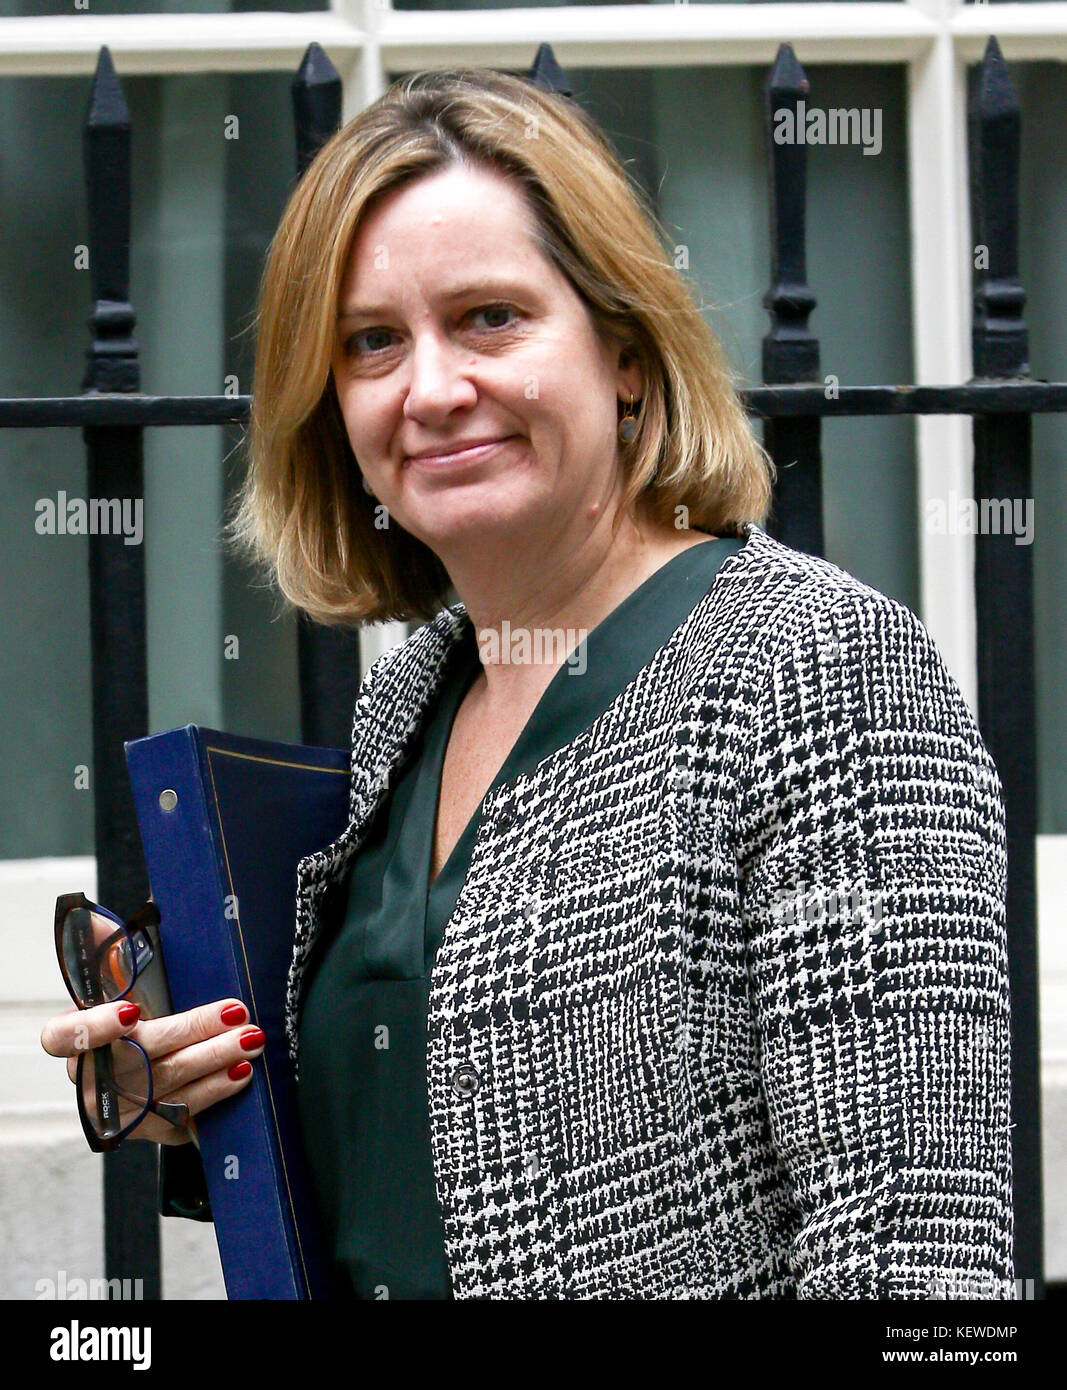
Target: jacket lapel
{"points": [[389, 712], [388, 719]]}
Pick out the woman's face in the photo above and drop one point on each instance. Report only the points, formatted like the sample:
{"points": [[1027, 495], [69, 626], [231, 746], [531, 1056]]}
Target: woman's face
{"points": [[454, 329]]}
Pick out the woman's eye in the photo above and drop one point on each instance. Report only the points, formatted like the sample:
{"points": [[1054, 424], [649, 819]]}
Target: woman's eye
{"points": [[494, 309], [352, 343]]}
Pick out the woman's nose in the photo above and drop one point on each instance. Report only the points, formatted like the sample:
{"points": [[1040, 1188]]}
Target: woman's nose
{"points": [[439, 378]]}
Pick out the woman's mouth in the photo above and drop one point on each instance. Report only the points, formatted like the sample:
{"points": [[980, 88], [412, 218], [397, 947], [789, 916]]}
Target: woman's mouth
{"points": [[459, 458]]}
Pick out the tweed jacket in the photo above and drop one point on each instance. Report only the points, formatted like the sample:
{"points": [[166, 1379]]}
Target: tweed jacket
{"points": [[722, 1010]]}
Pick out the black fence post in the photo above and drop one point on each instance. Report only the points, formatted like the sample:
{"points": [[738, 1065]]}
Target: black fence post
{"points": [[790, 349], [329, 657], [117, 619], [1005, 608]]}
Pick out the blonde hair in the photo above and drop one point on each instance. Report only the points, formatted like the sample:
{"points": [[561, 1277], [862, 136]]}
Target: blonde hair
{"points": [[302, 510]]}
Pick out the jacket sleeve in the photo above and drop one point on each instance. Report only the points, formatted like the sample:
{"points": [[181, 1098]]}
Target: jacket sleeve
{"points": [[182, 1184], [872, 894]]}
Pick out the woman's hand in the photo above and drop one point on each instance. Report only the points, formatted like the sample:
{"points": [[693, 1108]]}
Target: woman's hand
{"points": [[196, 1056]]}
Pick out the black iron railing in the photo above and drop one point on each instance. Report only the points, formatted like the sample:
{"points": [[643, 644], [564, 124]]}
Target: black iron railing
{"points": [[1001, 399]]}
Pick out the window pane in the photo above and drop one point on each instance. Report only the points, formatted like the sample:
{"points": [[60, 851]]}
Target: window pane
{"points": [[46, 742]]}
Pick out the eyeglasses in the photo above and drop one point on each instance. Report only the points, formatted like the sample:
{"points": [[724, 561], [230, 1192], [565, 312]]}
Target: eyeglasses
{"points": [[101, 958]]}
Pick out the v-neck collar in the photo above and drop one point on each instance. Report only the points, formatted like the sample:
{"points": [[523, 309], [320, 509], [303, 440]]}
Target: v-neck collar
{"points": [[391, 711], [604, 663]]}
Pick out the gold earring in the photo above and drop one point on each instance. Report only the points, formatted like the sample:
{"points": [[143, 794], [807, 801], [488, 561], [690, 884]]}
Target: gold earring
{"points": [[628, 423]]}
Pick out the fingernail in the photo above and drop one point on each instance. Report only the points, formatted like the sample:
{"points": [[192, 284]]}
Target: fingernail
{"points": [[129, 1013], [239, 1071], [255, 1037], [233, 1013]]}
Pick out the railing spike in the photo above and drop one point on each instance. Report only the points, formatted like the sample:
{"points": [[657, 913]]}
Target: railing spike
{"points": [[996, 93], [112, 355], [546, 73], [317, 94], [786, 74], [790, 348], [999, 339], [107, 104]]}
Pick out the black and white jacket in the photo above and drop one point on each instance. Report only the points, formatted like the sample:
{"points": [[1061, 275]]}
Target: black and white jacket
{"points": [[722, 1010]]}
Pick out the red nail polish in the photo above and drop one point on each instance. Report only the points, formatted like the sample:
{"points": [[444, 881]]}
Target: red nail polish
{"points": [[255, 1037], [239, 1071], [233, 1013], [128, 1013]]}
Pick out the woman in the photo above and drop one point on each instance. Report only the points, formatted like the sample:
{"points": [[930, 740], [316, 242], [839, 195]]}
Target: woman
{"points": [[664, 952]]}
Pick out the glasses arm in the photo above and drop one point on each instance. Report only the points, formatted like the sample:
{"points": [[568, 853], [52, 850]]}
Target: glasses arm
{"points": [[107, 1084], [176, 1112]]}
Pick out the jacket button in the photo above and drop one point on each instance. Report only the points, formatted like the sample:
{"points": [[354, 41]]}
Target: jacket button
{"points": [[506, 819], [465, 1081], [533, 1163]]}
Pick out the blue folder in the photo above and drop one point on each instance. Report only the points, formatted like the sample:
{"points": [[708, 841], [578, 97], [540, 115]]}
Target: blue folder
{"points": [[224, 821]]}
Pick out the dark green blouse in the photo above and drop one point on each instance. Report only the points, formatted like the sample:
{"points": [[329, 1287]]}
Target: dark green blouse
{"points": [[363, 1102]]}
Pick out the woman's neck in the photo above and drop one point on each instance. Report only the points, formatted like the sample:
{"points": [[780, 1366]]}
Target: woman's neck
{"points": [[544, 617]]}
